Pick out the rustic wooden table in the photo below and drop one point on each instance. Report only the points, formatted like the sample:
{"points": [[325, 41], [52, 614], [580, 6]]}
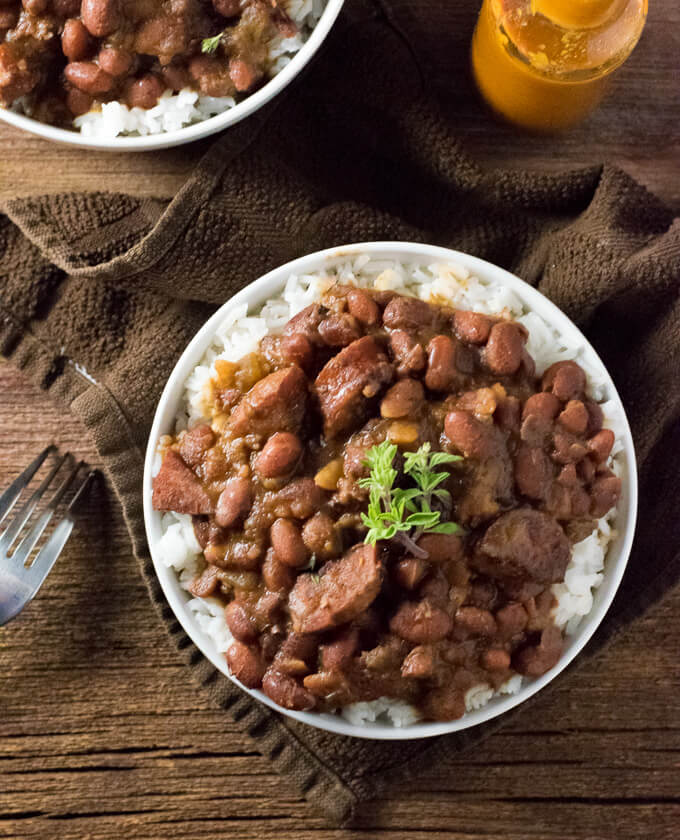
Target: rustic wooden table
{"points": [[101, 734]]}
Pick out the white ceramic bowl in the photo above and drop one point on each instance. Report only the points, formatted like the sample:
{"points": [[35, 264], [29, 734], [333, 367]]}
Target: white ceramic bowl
{"points": [[199, 130], [272, 284]]}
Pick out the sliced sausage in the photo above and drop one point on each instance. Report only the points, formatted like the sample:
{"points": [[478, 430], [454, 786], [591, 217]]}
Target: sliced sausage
{"points": [[306, 323], [523, 544], [407, 352], [177, 488], [348, 382], [470, 436], [299, 499], [206, 583], [339, 329], [276, 403], [346, 588], [420, 663], [321, 537]]}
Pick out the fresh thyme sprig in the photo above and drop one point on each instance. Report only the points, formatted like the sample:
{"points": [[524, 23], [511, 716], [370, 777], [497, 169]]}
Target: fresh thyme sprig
{"points": [[209, 45], [406, 514]]}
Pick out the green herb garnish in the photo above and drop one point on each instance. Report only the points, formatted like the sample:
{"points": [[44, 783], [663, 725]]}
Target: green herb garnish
{"points": [[406, 514], [209, 45]]}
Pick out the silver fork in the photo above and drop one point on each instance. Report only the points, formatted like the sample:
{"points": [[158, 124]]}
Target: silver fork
{"points": [[20, 582]]}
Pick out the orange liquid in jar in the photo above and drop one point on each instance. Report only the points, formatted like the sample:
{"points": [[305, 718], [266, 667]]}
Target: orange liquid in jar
{"points": [[544, 64]]}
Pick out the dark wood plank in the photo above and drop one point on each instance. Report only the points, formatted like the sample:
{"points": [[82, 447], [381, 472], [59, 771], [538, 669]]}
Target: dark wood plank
{"points": [[103, 736]]}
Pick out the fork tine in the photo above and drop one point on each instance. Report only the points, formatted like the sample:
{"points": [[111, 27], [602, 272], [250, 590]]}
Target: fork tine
{"points": [[46, 557], [26, 545], [15, 526], [9, 497]]}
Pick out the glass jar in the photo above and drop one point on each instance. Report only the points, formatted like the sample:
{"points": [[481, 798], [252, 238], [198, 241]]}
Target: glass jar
{"points": [[544, 64]]}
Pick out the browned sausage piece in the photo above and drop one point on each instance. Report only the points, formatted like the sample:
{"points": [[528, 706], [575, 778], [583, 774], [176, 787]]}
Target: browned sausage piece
{"points": [[408, 313], [419, 664], [306, 323], [535, 660], [299, 499], [88, 77], [276, 403], [101, 17], [240, 623], [297, 350], [566, 380], [279, 455], [523, 544], [533, 472], [473, 437], [339, 329], [286, 691], [346, 588], [234, 502], [348, 381], [420, 622], [288, 544], [337, 654], [574, 417], [363, 307], [472, 327], [245, 663], [408, 353], [195, 443], [445, 703], [320, 536], [177, 488], [441, 548], [442, 373], [402, 400], [503, 352]]}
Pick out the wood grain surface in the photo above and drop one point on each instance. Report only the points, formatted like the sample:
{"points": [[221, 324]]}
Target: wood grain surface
{"points": [[103, 737]]}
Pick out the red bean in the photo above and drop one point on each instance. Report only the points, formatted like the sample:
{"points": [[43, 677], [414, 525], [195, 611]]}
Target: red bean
{"points": [[363, 307], [600, 445], [297, 350], [605, 493], [544, 405], [78, 102], [275, 575], [472, 327], [475, 621], [88, 77], [8, 18], [101, 17], [535, 660], [445, 703], [409, 572], [511, 620], [574, 417], [227, 8], [468, 435], [533, 472], [441, 548], [420, 622], [442, 372], [66, 8], [242, 74], [115, 61], [206, 583], [288, 544], [144, 92], [419, 664], [195, 443], [568, 449], [339, 329], [408, 353], [245, 663], [279, 455], [35, 7], [595, 417], [503, 353], [76, 42], [566, 380], [286, 691], [337, 654], [320, 536], [402, 400], [211, 75], [495, 659], [507, 414], [239, 622], [234, 502]]}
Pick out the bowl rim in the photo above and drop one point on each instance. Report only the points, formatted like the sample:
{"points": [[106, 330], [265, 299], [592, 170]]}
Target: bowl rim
{"points": [[196, 131], [256, 293]]}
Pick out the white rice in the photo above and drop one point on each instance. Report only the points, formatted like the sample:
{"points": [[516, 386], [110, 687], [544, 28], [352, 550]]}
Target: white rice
{"points": [[240, 333], [176, 110]]}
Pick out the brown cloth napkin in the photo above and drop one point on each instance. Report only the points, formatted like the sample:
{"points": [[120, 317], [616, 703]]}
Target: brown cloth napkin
{"points": [[101, 293]]}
